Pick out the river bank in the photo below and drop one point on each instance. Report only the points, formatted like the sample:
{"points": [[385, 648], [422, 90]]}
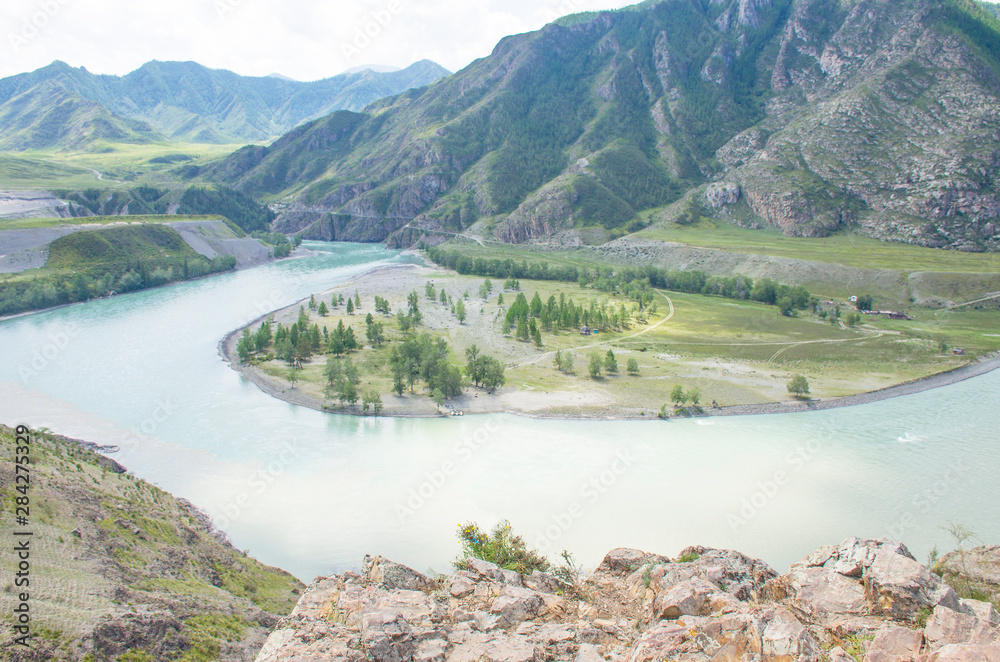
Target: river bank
{"points": [[587, 400]]}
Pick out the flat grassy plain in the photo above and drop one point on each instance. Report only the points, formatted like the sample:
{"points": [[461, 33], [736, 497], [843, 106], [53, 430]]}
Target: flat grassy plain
{"points": [[120, 164], [899, 275], [34, 223], [33, 172], [850, 250], [733, 352]]}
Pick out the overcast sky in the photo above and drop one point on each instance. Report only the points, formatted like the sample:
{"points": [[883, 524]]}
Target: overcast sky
{"points": [[303, 39]]}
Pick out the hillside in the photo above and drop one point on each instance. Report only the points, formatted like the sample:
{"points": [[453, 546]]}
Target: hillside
{"points": [[183, 101], [50, 262], [49, 116], [812, 116], [117, 564]]}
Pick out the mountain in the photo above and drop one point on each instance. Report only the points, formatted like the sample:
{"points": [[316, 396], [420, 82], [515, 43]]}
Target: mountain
{"points": [[50, 116], [189, 102], [812, 116]]}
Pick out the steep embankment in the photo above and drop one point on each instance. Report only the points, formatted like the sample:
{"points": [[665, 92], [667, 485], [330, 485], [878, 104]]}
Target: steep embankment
{"points": [[117, 564], [55, 264], [812, 115], [28, 248]]}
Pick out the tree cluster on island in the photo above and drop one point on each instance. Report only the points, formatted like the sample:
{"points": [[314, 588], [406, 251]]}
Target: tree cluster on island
{"points": [[637, 283], [414, 358]]}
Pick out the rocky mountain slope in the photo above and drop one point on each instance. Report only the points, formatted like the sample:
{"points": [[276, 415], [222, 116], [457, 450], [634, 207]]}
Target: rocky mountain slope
{"points": [[68, 108], [119, 565], [860, 600], [815, 115]]}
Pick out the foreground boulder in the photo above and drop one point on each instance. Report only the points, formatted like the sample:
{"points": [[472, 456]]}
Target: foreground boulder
{"points": [[862, 600]]}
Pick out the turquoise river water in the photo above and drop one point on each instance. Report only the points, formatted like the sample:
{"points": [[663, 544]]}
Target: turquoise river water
{"points": [[313, 492]]}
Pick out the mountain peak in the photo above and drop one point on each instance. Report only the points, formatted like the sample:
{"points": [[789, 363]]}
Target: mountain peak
{"points": [[374, 68], [184, 100]]}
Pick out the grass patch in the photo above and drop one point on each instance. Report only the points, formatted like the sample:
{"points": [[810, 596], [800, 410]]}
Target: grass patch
{"points": [[34, 223], [850, 250], [263, 586], [206, 633]]}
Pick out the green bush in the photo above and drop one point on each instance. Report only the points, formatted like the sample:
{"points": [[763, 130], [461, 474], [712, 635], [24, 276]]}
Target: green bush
{"points": [[502, 547]]}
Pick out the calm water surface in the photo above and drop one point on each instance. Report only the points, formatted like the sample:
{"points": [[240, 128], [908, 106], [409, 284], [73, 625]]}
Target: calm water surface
{"points": [[313, 492]]}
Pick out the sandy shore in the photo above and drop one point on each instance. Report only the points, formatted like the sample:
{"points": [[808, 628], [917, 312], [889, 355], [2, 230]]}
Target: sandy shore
{"points": [[574, 405]]}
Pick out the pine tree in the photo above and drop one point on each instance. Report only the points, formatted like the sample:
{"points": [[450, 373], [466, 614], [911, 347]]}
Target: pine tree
{"points": [[610, 362], [522, 329], [350, 306]]}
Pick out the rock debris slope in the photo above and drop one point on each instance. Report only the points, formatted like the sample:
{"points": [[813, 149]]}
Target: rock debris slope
{"points": [[860, 600]]}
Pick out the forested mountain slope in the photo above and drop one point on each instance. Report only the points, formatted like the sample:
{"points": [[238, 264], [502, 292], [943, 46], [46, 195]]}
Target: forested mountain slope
{"points": [[874, 116]]}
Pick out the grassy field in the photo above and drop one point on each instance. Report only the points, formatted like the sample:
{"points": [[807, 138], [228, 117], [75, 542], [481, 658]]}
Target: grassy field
{"points": [[925, 276], [120, 164], [37, 172], [846, 249], [733, 352], [32, 223]]}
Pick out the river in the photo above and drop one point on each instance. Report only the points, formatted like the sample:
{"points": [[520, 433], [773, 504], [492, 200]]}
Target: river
{"points": [[313, 493]]}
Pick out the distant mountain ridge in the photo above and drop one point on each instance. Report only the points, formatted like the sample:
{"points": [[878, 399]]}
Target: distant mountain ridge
{"points": [[182, 101], [813, 116]]}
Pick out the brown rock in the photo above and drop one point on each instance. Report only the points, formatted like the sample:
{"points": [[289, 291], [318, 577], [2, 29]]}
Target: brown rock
{"points": [[947, 626], [461, 587], [690, 597], [387, 637], [627, 560], [963, 653], [895, 644], [785, 638], [517, 604], [658, 643], [382, 572]]}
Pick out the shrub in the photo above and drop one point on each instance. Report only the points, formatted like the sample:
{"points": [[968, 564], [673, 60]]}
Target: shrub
{"points": [[798, 386], [502, 547]]}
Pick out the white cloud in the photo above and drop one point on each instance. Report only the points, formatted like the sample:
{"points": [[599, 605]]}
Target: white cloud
{"points": [[304, 40]]}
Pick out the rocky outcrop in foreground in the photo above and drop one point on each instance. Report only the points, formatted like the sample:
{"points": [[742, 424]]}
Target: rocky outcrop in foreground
{"points": [[860, 600]]}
